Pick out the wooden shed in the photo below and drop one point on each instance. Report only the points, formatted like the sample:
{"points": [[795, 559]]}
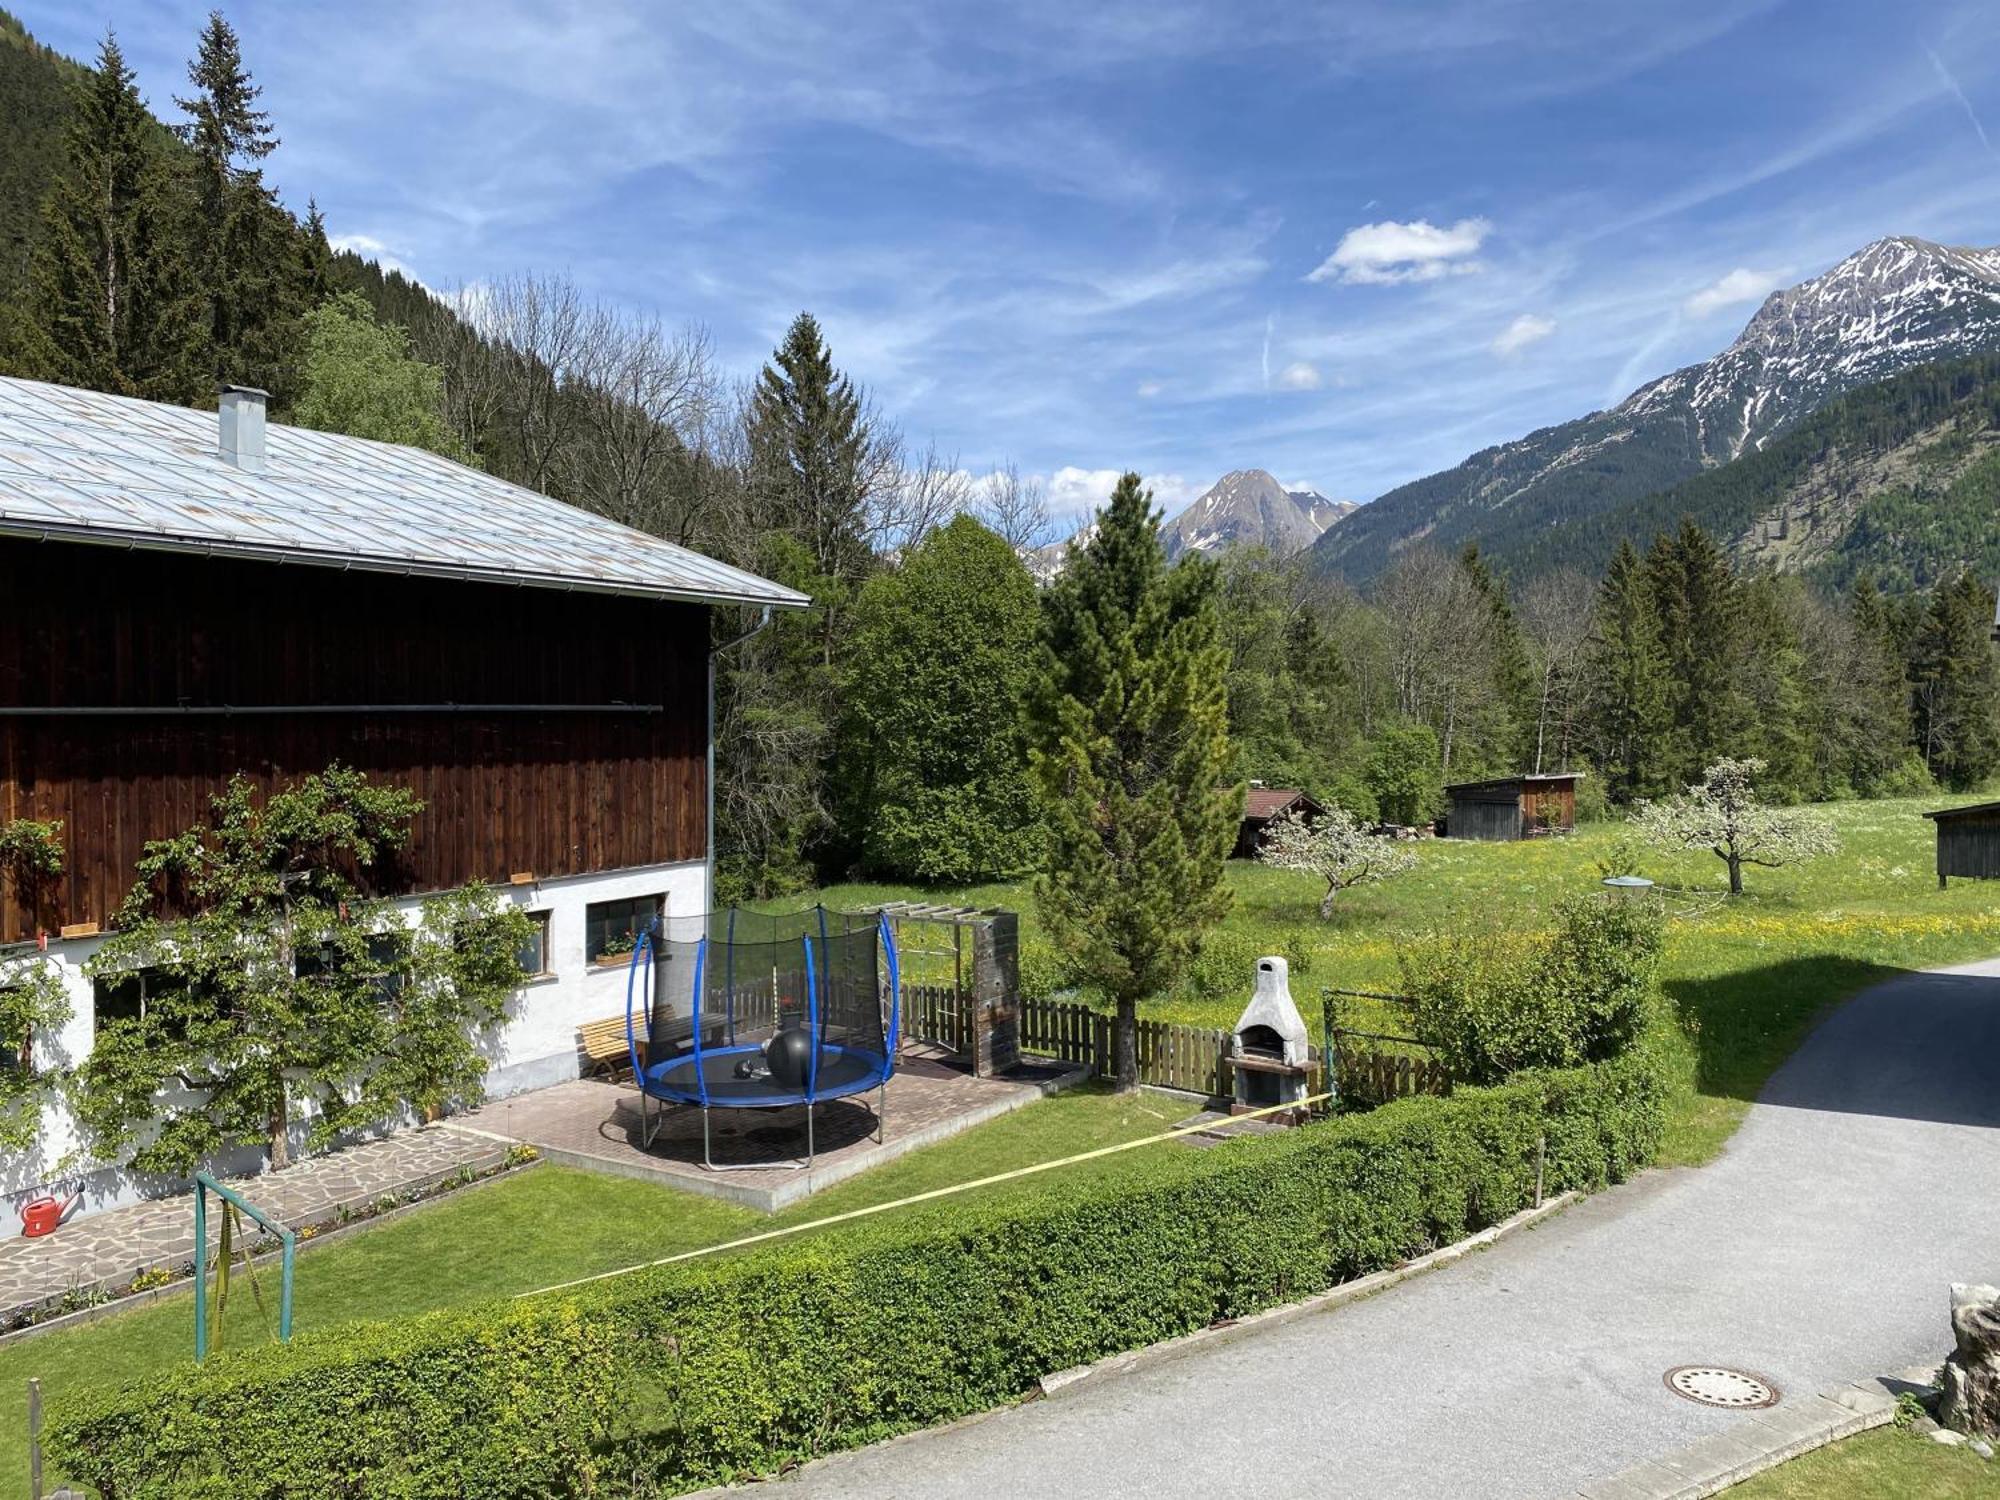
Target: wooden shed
{"points": [[1266, 803], [1968, 841], [1512, 807]]}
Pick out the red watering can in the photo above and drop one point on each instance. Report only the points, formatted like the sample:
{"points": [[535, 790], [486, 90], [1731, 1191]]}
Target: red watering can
{"points": [[40, 1216]]}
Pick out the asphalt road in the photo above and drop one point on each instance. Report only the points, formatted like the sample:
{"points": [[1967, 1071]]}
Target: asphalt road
{"points": [[1818, 1249]]}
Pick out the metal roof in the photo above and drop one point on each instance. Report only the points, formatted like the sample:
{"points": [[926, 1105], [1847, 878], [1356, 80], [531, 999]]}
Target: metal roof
{"points": [[86, 467], [1970, 807], [1473, 786]]}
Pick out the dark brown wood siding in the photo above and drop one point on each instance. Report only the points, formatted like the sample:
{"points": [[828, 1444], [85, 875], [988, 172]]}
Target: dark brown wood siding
{"points": [[1969, 846], [551, 792]]}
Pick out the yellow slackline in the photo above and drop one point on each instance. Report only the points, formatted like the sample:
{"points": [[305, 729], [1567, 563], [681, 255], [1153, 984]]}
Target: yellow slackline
{"points": [[943, 1192]]}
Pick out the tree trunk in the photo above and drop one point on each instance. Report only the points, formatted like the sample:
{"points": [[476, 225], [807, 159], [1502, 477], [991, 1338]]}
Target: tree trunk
{"points": [[1735, 874], [279, 1143], [1326, 902], [1125, 1047]]}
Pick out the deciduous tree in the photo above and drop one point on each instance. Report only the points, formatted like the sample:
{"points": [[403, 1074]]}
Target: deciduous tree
{"points": [[359, 378], [1338, 848], [935, 784], [265, 983], [1723, 814]]}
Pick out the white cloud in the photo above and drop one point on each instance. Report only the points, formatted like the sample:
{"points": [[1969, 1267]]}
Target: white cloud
{"points": [[1298, 376], [1079, 492], [1381, 254], [1523, 331], [369, 248], [1740, 285], [1148, 389]]}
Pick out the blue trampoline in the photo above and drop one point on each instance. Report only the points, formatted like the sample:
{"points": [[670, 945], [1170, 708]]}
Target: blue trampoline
{"points": [[750, 1011]]}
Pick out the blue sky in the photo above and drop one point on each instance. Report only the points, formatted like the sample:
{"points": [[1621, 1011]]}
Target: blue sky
{"points": [[1349, 244]]}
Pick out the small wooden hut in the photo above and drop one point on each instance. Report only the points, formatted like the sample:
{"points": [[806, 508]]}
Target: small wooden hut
{"points": [[1266, 804], [1512, 807], [1968, 841]]}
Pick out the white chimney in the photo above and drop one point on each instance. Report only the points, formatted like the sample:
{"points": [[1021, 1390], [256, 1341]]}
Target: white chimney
{"points": [[242, 438]]}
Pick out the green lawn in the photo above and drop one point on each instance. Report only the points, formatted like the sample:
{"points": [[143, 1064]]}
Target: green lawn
{"points": [[1878, 1465], [544, 1226], [1750, 975]]}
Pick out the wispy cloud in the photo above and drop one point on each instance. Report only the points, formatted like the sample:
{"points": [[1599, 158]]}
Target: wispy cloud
{"points": [[1951, 85], [1299, 375], [1519, 334], [1380, 254], [1732, 290]]}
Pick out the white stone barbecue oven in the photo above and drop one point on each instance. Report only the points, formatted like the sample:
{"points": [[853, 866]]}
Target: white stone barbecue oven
{"points": [[1270, 1051]]}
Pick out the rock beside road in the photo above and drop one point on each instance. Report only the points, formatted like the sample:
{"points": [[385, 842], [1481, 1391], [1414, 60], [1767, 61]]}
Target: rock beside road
{"points": [[1972, 1374]]}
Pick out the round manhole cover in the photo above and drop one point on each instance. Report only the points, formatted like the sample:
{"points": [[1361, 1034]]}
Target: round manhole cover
{"points": [[1712, 1385]]}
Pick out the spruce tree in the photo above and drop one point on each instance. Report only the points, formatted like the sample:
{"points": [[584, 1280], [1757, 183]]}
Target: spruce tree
{"points": [[1627, 674], [245, 242], [113, 304], [1956, 685], [1129, 750], [1878, 698], [809, 439], [1700, 608]]}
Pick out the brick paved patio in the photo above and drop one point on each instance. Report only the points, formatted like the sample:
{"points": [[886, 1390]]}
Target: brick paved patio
{"points": [[106, 1250], [596, 1125]]}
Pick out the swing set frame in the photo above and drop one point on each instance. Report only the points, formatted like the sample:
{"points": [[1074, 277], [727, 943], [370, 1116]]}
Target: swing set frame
{"points": [[204, 1184]]}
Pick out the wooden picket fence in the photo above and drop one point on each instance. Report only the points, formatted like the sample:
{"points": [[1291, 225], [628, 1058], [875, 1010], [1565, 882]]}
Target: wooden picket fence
{"points": [[1368, 1075], [937, 1013], [1194, 1059]]}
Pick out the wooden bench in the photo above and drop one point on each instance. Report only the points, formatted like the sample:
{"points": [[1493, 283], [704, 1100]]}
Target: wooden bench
{"points": [[605, 1048], [606, 1051]]}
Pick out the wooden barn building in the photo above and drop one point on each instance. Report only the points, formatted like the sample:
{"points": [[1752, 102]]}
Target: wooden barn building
{"points": [[185, 595], [1968, 841], [1262, 807], [1511, 807]]}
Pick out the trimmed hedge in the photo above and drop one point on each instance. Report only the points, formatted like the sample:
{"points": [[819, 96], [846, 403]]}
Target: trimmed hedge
{"points": [[691, 1374]]}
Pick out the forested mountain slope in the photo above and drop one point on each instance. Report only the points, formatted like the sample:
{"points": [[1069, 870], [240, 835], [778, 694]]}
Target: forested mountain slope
{"points": [[1897, 304], [1900, 480]]}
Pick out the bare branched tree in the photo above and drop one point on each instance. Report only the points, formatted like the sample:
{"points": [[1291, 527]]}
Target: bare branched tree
{"points": [[1015, 509], [650, 395], [544, 322], [1556, 612]]}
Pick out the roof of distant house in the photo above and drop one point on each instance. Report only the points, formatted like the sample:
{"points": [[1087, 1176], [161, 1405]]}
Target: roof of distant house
{"points": [[1970, 807], [1472, 786], [1269, 801], [86, 467]]}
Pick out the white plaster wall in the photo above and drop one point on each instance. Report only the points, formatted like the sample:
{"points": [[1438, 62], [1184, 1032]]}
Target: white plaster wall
{"points": [[536, 1046]]}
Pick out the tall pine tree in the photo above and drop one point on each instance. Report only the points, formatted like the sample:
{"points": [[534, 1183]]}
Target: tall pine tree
{"points": [[113, 302], [246, 244], [1702, 631], [809, 442], [1626, 672], [1956, 685], [1130, 747]]}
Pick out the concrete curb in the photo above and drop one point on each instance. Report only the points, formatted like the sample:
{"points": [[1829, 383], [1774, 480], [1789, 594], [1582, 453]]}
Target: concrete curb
{"points": [[1326, 1301], [1770, 1437]]}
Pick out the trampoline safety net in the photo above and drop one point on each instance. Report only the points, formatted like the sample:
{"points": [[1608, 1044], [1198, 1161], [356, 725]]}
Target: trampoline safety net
{"points": [[749, 1009]]}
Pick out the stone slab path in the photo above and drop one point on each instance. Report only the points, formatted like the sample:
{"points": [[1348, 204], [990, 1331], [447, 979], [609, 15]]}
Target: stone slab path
{"points": [[1818, 1250], [108, 1249]]}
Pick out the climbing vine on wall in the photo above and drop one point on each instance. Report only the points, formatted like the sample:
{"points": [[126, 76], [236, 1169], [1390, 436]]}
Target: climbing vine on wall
{"points": [[33, 1001]]}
